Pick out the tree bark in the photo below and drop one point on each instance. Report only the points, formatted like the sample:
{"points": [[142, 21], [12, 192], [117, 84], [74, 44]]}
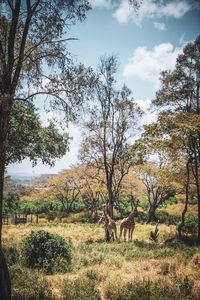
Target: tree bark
{"points": [[5, 284], [5, 109], [151, 214], [186, 200]]}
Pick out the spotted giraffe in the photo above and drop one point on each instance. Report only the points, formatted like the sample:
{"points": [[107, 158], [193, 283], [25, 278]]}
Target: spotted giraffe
{"points": [[128, 224], [110, 225]]}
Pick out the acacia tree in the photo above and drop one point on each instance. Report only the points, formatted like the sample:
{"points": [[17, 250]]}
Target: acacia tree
{"points": [[111, 122], [158, 182], [179, 98]]}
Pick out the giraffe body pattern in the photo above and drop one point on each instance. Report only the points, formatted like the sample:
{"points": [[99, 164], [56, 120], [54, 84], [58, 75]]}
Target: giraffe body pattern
{"points": [[110, 226], [128, 224]]}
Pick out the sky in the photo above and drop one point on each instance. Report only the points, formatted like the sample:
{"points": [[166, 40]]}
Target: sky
{"points": [[145, 42]]}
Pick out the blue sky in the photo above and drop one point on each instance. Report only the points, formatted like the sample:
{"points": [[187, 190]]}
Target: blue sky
{"points": [[145, 43]]}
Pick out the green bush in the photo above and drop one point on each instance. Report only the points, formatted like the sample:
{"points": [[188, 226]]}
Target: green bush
{"points": [[80, 289], [165, 218], [190, 226], [46, 251], [144, 204], [29, 285], [142, 217], [169, 201]]}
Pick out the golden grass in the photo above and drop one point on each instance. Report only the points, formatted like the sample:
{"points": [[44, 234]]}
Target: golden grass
{"points": [[117, 261]]}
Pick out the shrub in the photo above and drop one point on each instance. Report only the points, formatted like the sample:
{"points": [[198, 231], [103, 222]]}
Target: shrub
{"points": [[144, 204], [80, 289], [166, 218], [169, 201], [190, 226], [46, 251], [29, 285], [142, 217]]}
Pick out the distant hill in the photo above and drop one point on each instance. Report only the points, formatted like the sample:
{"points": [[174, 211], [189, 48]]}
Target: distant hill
{"points": [[25, 179]]}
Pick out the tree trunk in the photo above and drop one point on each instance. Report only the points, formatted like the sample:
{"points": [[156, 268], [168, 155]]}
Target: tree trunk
{"points": [[186, 200], [5, 284], [151, 214], [110, 207], [5, 108], [197, 183]]}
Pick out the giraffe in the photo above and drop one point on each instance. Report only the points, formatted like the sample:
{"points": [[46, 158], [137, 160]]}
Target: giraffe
{"points": [[110, 225], [129, 224]]}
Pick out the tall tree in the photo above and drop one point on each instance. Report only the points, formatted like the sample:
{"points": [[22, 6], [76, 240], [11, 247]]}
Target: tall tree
{"points": [[179, 120], [32, 40], [111, 123]]}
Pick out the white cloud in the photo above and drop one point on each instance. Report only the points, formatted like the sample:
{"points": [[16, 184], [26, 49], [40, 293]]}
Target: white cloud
{"points": [[147, 64], [160, 26], [152, 9], [100, 3]]}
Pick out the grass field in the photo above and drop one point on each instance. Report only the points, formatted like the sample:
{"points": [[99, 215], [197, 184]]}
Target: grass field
{"points": [[117, 270]]}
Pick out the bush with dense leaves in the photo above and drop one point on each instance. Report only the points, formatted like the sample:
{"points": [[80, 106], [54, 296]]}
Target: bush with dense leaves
{"points": [[190, 226], [46, 251]]}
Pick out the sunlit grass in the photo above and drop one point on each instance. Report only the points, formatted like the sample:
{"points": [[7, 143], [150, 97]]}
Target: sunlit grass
{"points": [[117, 261]]}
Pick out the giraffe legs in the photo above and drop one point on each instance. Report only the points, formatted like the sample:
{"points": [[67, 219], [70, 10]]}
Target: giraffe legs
{"points": [[115, 230], [131, 234], [125, 231], [121, 229]]}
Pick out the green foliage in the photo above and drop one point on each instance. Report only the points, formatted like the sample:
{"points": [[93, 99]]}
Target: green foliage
{"points": [[28, 139], [29, 284], [190, 226], [166, 218], [46, 251], [193, 199], [142, 217], [11, 196], [144, 204], [11, 203], [169, 201]]}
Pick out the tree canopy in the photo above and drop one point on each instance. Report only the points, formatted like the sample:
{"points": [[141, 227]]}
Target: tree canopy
{"points": [[27, 138]]}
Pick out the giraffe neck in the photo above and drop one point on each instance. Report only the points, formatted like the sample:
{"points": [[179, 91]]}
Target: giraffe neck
{"points": [[106, 215], [131, 217]]}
